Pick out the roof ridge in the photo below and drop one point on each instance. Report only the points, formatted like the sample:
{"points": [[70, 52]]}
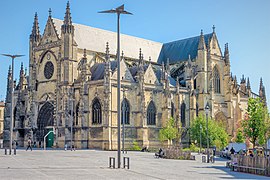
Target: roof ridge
{"points": [[187, 38], [84, 25]]}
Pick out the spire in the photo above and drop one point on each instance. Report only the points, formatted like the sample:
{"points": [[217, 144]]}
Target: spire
{"points": [[67, 26], [261, 85], [9, 89], [227, 54], [67, 19], [35, 35], [248, 84], [243, 80], [84, 53], [201, 45], [140, 57], [262, 92], [107, 56], [21, 71]]}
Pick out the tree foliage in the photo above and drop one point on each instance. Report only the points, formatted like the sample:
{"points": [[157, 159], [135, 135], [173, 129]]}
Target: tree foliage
{"points": [[169, 132], [239, 136], [254, 125], [217, 134]]}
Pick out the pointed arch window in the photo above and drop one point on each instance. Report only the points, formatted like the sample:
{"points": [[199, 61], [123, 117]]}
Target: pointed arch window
{"points": [[172, 110], [125, 112], [151, 114], [77, 114], [183, 114], [216, 80], [96, 112], [197, 109]]}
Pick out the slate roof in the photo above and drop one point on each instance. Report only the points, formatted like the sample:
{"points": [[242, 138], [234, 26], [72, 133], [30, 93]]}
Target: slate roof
{"points": [[95, 39], [134, 70], [98, 70], [180, 50]]}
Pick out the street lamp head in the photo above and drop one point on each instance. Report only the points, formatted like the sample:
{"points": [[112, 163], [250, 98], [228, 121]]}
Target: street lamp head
{"points": [[118, 10], [12, 56]]}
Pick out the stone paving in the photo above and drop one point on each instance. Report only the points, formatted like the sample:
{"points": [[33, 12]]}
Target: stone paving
{"points": [[93, 164]]}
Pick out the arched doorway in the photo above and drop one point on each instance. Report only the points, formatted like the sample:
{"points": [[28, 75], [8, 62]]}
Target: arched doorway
{"points": [[45, 119]]}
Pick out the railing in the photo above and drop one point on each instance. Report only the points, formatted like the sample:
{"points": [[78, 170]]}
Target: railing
{"points": [[254, 162]]}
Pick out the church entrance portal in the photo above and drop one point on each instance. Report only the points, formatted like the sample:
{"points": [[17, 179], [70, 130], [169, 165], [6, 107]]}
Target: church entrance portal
{"points": [[44, 121]]}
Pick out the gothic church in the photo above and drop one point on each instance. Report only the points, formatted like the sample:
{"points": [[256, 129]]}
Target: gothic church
{"points": [[72, 89]]}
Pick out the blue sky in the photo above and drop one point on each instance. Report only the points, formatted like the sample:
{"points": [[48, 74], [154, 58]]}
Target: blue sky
{"points": [[245, 25]]}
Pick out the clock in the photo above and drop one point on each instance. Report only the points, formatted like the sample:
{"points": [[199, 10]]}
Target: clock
{"points": [[48, 70]]}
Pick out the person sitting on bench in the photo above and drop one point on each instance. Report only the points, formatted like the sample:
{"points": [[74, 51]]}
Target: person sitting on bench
{"points": [[160, 153]]}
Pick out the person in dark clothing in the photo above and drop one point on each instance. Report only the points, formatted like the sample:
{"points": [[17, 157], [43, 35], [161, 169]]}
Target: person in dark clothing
{"points": [[232, 151], [29, 144]]}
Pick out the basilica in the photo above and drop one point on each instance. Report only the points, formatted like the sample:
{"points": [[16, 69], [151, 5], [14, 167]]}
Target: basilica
{"points": [[71, 87]]}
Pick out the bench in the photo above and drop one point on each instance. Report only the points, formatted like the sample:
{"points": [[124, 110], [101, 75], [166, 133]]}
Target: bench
{"points": [[235, 167]]}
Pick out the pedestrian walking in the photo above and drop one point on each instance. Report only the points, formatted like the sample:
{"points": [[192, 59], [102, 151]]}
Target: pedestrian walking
{"points": [[29, 144]]}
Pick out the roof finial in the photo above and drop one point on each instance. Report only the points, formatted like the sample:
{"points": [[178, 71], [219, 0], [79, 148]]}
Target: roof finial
{"points": [[201, 32], [149, 58], [214, 28], [122, 54], [50, 12], [84, 53]]}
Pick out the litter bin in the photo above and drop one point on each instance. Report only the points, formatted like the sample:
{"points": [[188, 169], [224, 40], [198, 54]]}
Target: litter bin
{"points": [[204, 159]]}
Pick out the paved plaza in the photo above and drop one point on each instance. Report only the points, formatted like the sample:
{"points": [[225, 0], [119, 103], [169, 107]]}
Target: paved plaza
{"points": [[93, 164]]}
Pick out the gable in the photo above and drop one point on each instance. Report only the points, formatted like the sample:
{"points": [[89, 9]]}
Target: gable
{"points": [[50, 33], [150, 76], [124, 73]]}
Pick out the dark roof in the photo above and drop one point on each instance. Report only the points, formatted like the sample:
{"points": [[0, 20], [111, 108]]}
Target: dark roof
{"points": [[180, 50], [98, 69], [134, 70]]}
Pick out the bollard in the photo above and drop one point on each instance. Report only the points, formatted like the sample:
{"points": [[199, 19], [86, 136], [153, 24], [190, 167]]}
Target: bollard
{"points": [[14, 151], [112, 162], [126, 162], [5, 151]]}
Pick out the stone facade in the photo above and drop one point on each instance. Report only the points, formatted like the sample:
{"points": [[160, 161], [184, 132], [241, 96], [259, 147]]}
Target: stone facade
{"points": [[71, 88], [2, 107]]}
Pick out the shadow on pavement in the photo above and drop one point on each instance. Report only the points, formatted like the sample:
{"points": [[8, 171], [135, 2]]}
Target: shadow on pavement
{"points": [[220, 165]]}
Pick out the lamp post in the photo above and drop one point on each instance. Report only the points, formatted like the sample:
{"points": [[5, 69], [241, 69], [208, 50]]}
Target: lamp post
{"points": [[207, 133], [11, 108], [71, 101], [119, 10], [200, 138]]}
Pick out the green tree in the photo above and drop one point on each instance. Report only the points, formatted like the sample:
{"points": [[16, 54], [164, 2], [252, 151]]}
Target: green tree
{"points": [[169, 132], [239, 136], [217, 134], [254, 125]]}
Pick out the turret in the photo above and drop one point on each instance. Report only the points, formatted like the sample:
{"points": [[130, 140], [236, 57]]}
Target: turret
{"points": [[67, 31], [67, 27], [202, 64], [227, 54], [201, 45], [21, 78]]}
